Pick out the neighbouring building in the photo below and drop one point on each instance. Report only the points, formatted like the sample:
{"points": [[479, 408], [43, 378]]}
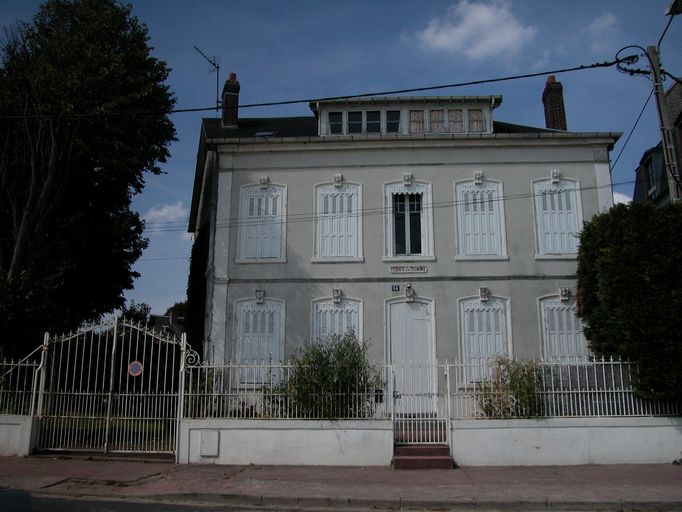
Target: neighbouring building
{"points": [[651, 177], [430, 228]]}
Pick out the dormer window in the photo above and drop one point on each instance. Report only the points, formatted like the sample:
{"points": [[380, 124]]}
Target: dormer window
{"points": [[393, 121], [437, 121], [456, 120], [354, 122], [374, 121], [416, 121], [476, 122], [336, 123]]}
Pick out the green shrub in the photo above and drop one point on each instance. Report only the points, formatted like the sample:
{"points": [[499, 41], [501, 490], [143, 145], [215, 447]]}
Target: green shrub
{"points": [[333, 379], [512, 390]]}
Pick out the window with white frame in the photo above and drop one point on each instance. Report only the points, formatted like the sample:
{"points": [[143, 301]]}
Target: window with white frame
{"points": [[455, 120], [557, 216], [562, 331], [336, 123], [484, 333], [416, 121], [476, 120], [259, 334], [480, 219], [335, 318], [338, 223], [408, 228], [262, 223]]}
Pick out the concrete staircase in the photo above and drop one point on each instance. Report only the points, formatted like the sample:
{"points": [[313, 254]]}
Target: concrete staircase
{"points": [[422, 456]]}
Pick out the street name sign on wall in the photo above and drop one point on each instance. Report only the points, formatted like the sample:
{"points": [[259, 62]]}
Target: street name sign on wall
{"points": [[408, 269]]}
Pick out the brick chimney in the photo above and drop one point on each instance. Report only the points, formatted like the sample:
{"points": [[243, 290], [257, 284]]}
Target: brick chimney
{"points": [[231, 101], [553, 100]]}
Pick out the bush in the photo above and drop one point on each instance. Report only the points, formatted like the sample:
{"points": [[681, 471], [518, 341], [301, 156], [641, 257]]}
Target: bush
{"points": [[630, 292], [512, 391], [333, 379]]}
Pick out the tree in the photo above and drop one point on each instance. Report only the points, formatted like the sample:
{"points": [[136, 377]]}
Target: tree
{"points": [[137, 313], [630, 292], [83, 116]]}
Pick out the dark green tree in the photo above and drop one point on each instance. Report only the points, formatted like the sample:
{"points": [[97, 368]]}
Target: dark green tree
{"points": [[630, 292], [83, 116]]}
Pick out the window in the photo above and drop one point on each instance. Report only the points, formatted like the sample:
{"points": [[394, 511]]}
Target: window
{"points": [[338, 223], [476, 122], [336, 123], [329, 318], [259, 331], [354, 122], [455, 121], [408, 221], [393, 121], [407, 212], [416, 121], [557, 216], [437, 121], [374, 122], [262, 226], [480, 219], [562, 331], [484, 334]]}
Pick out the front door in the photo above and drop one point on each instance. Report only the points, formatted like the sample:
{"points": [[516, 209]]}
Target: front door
{"points": [[412, 355]]}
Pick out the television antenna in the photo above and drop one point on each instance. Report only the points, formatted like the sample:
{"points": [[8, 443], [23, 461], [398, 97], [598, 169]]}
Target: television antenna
{"points": [[216, 66]]}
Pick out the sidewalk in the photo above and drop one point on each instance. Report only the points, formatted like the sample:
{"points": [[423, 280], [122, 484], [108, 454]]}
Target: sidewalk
{"points": [[618, 487]]}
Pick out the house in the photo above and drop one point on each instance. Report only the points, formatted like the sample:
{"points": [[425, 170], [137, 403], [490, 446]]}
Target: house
{"points": [[432, 229], [651, 178]]}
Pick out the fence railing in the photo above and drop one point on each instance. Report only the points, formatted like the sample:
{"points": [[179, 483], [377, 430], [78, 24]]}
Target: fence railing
{"points": [[266, 391], [600, 388], [17, 386]]}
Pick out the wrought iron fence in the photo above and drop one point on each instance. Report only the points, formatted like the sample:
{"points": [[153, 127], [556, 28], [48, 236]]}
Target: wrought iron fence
{"points": [[18, 382], [599, 388], [274, 391]]}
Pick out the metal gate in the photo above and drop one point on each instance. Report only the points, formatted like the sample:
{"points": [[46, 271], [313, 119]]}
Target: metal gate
{"points": [[421, 404], [110, 388]]}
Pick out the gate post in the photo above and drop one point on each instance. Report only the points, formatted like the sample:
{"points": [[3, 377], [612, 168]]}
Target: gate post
{"points": [[181, 396], [41, 390], [111, 386], [448, 410]]}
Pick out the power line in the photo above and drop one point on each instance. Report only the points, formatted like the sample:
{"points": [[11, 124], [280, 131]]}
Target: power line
{"points": [[297, 218], [651, 93], [581, 67]]}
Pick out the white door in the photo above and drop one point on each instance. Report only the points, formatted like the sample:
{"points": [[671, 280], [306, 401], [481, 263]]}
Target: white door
{"points": [[412, 356]]}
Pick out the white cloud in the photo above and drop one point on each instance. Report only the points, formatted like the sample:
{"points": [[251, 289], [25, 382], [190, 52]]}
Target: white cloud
{"points": [[602, 32], [619, 197], [172, 212], [477, 30]]}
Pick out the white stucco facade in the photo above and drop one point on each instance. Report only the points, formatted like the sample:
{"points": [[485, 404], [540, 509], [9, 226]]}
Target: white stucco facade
{"points": [[431, 169]]}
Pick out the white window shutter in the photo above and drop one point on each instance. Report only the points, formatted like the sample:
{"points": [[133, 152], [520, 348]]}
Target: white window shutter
{"points": [[556, 208], [479, 219], [337, 221], [484, 331], [259, 332], [262, 224], [330, 318], [562, 330]]}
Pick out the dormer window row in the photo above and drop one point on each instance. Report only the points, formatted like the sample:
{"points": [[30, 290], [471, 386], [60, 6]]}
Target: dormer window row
{"points": [[407, 121]]}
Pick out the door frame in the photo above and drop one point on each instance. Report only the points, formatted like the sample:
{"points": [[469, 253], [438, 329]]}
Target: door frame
{"points": [[430, 303]]}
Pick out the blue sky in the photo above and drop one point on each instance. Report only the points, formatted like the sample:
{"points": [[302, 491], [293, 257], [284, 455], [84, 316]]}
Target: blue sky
{"points": [[295, 49]]}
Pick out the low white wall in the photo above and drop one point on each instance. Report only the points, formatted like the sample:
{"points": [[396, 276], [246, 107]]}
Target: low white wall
{"points": [[566, 441], [285, 442], [17, 434]]}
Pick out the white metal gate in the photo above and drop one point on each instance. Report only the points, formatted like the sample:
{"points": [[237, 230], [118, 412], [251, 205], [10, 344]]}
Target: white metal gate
{"points": [[110, 388], [421, 404]]}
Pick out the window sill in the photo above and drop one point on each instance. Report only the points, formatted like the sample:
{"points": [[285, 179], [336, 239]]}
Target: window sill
{"points": [[339, 259], [482, 258], [556, 256], [241, 261], [412, 257]]}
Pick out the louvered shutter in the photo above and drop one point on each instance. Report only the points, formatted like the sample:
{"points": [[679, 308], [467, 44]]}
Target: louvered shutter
{"points": [[563, 338], [556, 217], [337, 221], [259, 337], [484, 333], [333, 318], [479, 223], [262, 223]]}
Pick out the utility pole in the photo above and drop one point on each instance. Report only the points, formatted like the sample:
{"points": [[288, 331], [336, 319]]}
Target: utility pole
{"points": [[669, 156]]}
